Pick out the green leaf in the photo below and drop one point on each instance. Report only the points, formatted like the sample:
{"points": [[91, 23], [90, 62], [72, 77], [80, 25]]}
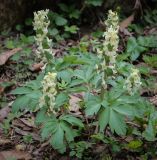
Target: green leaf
{"points": [[73, 120], [63, 7], [135, 144], [9, 44], [35, 84], [65, 75], [69, 134], [75, 14], [21, 90], [72, 29], [77, 89], [61, 99], [57, 140], [94, 2], [149, 133], [124, 109], [42, 117], [134, 48], [49, 128], [104, 117], [117, 123], [20, 103], [28, 21], [93, 106], [60, 21], [35, 94], [54, 32]]}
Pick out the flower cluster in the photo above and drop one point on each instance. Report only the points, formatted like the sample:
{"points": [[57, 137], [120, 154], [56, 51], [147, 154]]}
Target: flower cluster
{"points": [[110, 44], [133, 82], [111, 37], [107, 51], [41, 23], [49, 91]]}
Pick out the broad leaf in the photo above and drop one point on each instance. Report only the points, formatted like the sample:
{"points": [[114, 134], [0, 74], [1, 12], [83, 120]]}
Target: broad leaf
{"points": [[134, 48], [69, 134], [60, 21], [72, 120], [61, 99], [93, 106], [117, 123], [20, 103], [104, 117], [21, 90], [57, 140], [124, 109]]}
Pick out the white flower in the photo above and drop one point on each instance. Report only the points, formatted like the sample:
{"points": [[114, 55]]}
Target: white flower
{"points": [[133, 82], [41, 23], [49, 91], [110, 43]]}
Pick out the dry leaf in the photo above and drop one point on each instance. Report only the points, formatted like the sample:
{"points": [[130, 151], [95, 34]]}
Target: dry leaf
{"points": [[37, 67], [4, 141], [28, 122], [25, 133], [1, 89], [74, 106], [4, 113], [19, 155], [6, 55], [153, 100], [20, 147], [125, 23]]}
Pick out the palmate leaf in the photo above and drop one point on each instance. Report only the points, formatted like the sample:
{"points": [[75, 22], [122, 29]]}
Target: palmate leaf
{"points": [[28, 96], [93, 105], [149, 133], [103, 118], [49, 128], [134, 49], [60, 21], [72, 120], [20, 103], [124, 109], [92, 108], [57, 140], [69, 133], [117, 123], [114, 119], [60, 131], [21, 90], [26, 101], [61, 99]]}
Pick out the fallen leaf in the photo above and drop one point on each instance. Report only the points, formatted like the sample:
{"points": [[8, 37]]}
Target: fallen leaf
{"points": [[74, 106], [18, 155], [4, 141], [29, 122], [1, 89], [25, 133], [4, 113], [125, 23], [20, 147], [6, 55], [153, 100], [37, 67]]}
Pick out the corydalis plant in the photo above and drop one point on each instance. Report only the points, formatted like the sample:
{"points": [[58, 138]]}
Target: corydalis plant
{"points": [[133, 82], [41, 24], [103, 99], [110, 43], [48, 92]]}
